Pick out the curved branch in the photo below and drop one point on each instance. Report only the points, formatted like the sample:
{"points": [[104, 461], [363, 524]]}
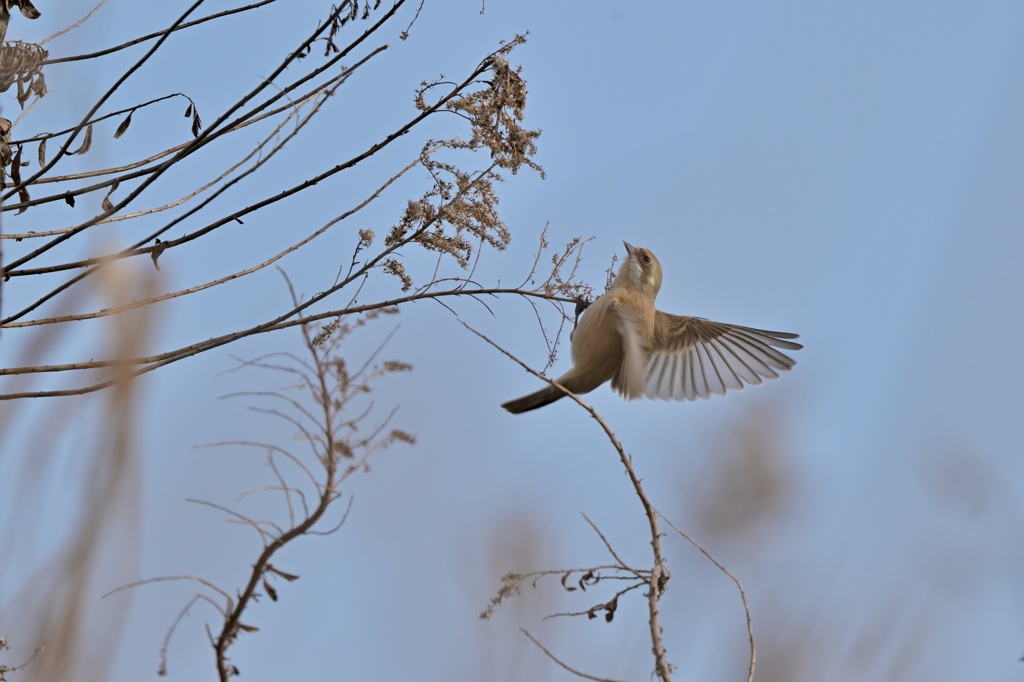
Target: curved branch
{"points": [[110, 91], [204, 137], [739, 586], [659, 575], [151, 36], [277, 325], [554, 658]]}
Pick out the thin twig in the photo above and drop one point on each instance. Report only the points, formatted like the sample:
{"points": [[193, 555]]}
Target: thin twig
{"points": [[659, 575], [187, 351], [95, 107], [574, 671], [608, 545], [74, 25], [162, 670], [169, 578], [739, 586], [144, 38]]}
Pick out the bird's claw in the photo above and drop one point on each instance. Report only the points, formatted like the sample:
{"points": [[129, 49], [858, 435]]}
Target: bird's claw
{"points": [[582, 303]]}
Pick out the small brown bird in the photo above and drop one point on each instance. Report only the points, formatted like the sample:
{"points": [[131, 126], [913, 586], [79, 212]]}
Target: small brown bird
{"points": [[645, 352]]}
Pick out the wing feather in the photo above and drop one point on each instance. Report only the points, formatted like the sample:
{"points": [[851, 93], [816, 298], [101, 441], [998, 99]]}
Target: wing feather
{"points": [[686, 378], [659, 376], [630, 379], [711, 381], [731, 378], [691, 358], [676, 366]]}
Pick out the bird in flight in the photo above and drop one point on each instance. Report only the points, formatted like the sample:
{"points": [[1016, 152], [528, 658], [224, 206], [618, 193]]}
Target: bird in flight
{"points": [[624, 339]]}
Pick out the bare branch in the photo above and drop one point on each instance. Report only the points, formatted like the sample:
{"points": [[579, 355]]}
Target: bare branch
{"points": [[162, 670], [554, 658], [608, 545], [144, 38], [659, 574], [170, 578], [739, 587], [84, 123], [74, 25]]}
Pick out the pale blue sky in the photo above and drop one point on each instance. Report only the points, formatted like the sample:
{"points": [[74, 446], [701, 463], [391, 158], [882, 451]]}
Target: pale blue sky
{"points": [[851, 172]]}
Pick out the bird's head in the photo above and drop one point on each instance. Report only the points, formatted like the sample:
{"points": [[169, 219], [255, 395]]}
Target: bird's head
{"points": [[641, 270]]}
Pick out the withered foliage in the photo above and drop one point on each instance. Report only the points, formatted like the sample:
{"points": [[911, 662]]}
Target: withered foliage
{"points": [[453, 218], [333, 420], [326, 405], [28, 10], [574, 579], [21, 65], [456, 217], [461, 210]]}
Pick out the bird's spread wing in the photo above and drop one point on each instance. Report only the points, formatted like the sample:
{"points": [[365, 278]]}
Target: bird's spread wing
{"points": [[692, 358], [630, 378]]}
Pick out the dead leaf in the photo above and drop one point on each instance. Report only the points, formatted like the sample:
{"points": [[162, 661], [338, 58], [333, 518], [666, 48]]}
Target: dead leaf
{"points": [[27, 9], [16, 179], [86, 141], [121, 129]]}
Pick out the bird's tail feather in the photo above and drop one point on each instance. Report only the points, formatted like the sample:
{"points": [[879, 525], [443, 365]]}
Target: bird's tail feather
{"points": [[543, 397]]}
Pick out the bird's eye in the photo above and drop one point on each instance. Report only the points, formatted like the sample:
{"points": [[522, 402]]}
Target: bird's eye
{"points": [[647, 259]]}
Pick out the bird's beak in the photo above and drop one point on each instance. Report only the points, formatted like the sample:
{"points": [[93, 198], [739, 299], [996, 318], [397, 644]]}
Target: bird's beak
{"points": [[629, 248]]}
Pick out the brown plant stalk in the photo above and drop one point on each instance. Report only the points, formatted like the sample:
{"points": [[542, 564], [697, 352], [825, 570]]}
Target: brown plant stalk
{"points": [[659, 575]]}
